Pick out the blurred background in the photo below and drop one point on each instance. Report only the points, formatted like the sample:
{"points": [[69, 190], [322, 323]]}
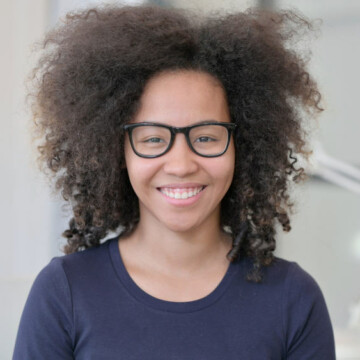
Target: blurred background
{"points": [[325, 236]]}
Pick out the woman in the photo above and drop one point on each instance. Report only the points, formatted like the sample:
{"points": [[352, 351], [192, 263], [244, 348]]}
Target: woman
{"points": [[181, 133]]}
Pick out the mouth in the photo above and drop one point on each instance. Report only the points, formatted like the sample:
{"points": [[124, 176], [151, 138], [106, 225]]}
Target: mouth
{"points": [[181, 193]]}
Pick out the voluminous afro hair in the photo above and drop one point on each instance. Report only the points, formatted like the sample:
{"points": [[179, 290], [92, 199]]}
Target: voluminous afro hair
{"points": [[90, 77]]}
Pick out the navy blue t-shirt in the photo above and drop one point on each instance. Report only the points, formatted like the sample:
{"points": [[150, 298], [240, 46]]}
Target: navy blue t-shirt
{"points": [[85, 306]]}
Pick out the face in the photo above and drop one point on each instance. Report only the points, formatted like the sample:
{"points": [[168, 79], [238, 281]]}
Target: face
{"points": [[181, 98]]}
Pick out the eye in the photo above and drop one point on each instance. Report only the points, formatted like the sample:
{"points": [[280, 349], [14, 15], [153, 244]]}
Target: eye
{"points": [[153, 140], [204, 139]]}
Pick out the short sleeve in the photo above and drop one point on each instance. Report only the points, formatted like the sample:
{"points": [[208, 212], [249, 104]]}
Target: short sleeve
{"points": [[306, 321], [46, 326]]}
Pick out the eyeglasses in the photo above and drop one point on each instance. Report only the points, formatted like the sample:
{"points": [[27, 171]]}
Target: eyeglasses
{"points": [[151, 140]]}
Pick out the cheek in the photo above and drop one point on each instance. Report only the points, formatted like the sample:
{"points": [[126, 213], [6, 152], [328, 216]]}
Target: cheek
{"points": [[140, 170], [228, 174], [222, 171], [226, 165]]}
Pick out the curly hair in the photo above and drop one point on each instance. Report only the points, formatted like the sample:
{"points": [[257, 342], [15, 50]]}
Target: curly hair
{"points": [[89, 80]]}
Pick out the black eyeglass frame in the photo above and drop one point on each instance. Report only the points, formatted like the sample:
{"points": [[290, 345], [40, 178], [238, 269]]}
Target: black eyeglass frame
{"points": [[175, 130]]}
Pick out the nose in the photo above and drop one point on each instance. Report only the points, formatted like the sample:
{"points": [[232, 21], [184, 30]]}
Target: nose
{"points": [[180, 161]]}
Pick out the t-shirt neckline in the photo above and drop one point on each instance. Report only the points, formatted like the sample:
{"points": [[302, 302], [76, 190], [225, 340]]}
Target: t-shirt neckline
{"points": [[165, 305]]}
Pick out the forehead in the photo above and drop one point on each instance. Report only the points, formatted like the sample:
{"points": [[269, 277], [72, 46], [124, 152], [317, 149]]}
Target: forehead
{"points": [[183, 97]]}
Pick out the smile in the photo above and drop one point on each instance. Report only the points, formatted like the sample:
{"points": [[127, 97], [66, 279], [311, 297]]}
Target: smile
{"points": [[181, 193]]}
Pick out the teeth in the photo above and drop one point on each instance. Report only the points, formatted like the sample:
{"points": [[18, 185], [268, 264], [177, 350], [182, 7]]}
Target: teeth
{"points": [[180, 193]]}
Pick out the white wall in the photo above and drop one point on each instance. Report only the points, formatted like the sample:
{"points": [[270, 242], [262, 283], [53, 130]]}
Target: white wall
{"points": [[26, 210]]}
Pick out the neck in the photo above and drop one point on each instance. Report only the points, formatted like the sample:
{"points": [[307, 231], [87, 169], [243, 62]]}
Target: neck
{"points": [[181, 253]]}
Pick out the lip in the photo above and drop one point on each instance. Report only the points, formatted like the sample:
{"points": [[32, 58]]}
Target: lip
{"points": [[182, 202]]}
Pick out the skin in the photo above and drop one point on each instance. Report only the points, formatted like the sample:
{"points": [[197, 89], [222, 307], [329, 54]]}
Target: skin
{"points": [[178, 242]]}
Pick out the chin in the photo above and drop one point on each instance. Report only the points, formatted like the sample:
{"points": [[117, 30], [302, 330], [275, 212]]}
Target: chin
{"points": [[180, 226]]}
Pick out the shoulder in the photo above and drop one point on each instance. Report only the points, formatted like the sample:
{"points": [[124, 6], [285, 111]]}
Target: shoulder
{"points": [[62, 270], [299, 288], [90, 257], [288, 274], [47, 326], [305, 319], [295, 280], [301, 292], [287, 282], [281, 273]]}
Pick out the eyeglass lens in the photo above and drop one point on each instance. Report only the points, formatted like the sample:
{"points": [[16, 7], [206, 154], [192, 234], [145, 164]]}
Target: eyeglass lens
{"points": [[154, 140]]}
